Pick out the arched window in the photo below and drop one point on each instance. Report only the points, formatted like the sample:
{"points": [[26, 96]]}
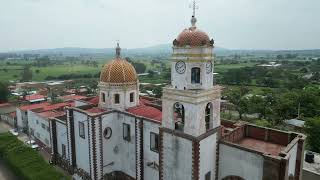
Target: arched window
{"points": [[103, 97], [178, 116], [131, 97], [116, 98], [233, 178], [208, 116], [195, 75]]}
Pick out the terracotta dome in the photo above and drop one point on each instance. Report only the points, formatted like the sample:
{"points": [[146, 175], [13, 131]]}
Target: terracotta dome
{"points": [[192, 37], [118, 71]]}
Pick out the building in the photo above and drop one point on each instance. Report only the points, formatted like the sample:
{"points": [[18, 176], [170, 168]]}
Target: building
{"points": [[22, 115], [7, 114], [119, 135], [311, 167]]}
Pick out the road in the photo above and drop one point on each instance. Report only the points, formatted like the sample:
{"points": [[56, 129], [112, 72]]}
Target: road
{"points": [[5, 172]]}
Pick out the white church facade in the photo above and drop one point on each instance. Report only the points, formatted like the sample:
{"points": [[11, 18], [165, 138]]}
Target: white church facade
{"points": [[125, 136]]}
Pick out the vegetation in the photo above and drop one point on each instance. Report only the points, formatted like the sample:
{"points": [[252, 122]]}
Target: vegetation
{"points": [[4, 92], [312, 129], [25, 162]]}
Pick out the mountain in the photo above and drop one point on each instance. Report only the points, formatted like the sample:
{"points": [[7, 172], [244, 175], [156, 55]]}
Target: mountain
{"points": [[75, 51], [161, 49]]}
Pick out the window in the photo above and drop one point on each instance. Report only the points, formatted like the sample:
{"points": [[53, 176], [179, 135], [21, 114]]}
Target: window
{"points": [[63, 149], [208, 176], [178, 116], [103, 97], [154, 142], [116, 98], [37, 121], [107, 133], [48, 129], [126, 132], [38, 135], [208, 116], [233, 178], [195, 75], [43, 126], [81, 130], [131, 97]]}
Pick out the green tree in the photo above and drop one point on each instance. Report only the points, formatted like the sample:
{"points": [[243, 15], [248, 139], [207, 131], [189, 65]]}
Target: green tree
{"points": [[4, 92], [26, 74], [239, 100], [312, 129]]}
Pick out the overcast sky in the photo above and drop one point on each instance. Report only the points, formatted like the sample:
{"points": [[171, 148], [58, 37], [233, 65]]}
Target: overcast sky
{"points": [[234, 24]]}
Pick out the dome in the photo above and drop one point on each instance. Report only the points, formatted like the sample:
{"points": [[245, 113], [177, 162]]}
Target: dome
{"points": [[118, 71], [193, 37]]}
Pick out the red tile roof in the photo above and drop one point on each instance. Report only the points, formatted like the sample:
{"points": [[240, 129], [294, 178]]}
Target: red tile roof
{"points": [[147, 112], [13, 114], [34, 97], [96, 110], [72, 97], [34, 106], [58, 106], [49, 114], [94, 100], [5, 104]]}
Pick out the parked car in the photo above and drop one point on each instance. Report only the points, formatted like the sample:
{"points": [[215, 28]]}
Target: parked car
{"points": [[31, 143], [14, 132]]}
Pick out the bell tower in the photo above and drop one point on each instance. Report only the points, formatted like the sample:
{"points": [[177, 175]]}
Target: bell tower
{"points": [[191, 108]]}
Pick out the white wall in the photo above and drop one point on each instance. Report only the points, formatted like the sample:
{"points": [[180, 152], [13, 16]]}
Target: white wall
{"points": [[177, 158], [44, 133], [117, 150], [292, 159], [21, 119], [149, 155], [192, 59], [208, 156], [124, 93], [61, 130], [80, 103], [234, 161], [81, 145]]}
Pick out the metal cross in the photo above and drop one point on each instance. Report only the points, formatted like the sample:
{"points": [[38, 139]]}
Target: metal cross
{"points": [[194, 7]]}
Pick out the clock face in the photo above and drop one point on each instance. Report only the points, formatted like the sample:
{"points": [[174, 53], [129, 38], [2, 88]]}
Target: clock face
{"points": [[180, 67], [209, 67]]}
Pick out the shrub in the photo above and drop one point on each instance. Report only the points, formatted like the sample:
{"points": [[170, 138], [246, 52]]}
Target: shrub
{"points": [[24, 161]]}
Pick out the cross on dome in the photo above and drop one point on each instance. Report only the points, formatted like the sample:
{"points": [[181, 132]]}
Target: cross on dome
{"points": [[194, 19], [118, 50]]}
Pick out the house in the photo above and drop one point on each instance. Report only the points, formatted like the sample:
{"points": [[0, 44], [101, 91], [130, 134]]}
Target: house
{"points": [[7, 114]]}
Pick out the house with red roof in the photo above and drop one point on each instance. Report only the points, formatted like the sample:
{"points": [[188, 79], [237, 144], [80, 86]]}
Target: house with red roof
{"points": [[22, 114], [7, 114], [35, 98]]}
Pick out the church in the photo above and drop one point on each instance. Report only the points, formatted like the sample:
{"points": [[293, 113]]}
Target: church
{"points": [[124, 136]]}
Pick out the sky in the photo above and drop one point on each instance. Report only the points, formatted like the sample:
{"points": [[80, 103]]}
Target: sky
{"points": [[233, 24]]}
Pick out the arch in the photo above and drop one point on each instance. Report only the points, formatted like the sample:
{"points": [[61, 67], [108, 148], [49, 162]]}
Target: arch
{"points": [[178, 116], [233, 178], [117, 98], [209, 116], [195, 75]]}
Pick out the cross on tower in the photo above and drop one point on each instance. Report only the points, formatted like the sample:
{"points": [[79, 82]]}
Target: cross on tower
{"points": [[118, 49], [194, 7]]}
